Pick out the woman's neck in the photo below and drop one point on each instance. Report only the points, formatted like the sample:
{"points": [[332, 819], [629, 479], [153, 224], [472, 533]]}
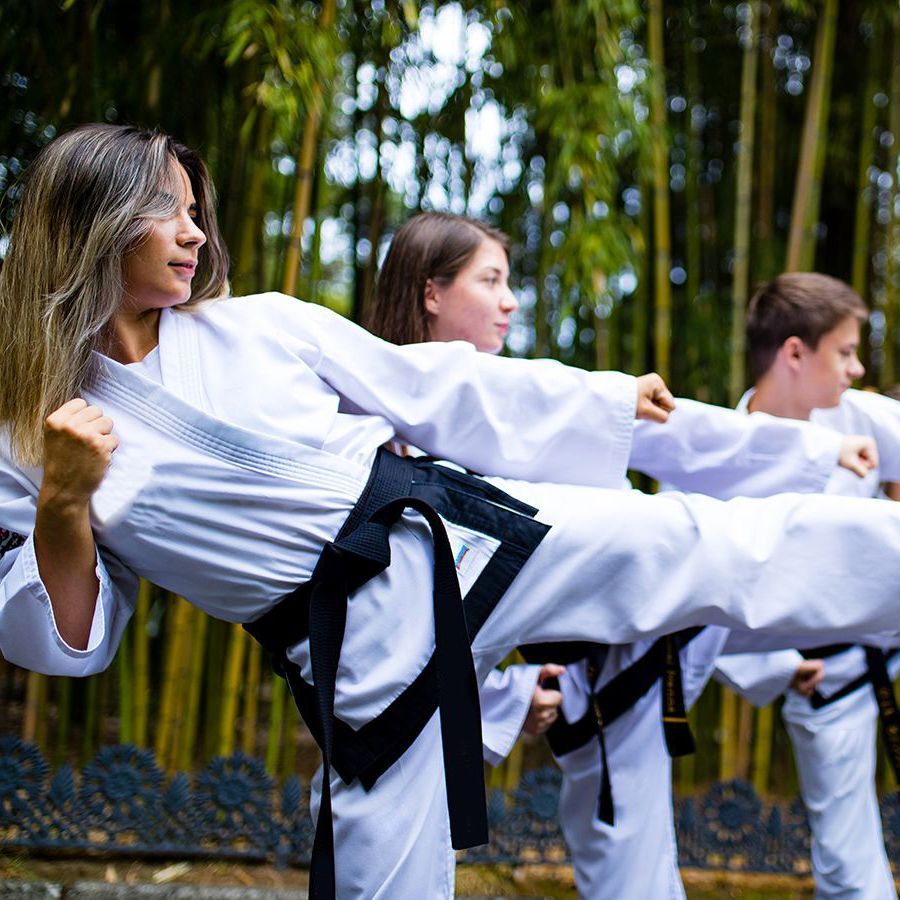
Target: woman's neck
{"points": [[132, 335]]}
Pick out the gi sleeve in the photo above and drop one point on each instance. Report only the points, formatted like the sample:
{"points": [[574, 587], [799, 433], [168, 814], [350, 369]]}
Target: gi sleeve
{"points": [[505, 701], [725, 454], [536, 420], [29, 636], [758, 677]]}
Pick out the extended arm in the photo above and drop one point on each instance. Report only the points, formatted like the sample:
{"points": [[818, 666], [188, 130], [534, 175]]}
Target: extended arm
{"points": [[724, 453]]}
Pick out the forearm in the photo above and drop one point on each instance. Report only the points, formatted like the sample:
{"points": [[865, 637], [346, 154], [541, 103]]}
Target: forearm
{"points": [[67, 560], [723, 453]]}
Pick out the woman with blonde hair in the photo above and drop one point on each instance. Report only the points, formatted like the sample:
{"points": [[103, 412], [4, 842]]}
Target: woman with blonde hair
{"points": [[229, 451]]}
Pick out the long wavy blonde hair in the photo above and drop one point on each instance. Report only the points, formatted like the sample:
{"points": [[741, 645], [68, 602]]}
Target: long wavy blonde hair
{"points": [[89, 198]]}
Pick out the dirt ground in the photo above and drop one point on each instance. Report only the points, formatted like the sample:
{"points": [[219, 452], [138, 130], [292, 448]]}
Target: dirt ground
{"points": [[546, 881]]}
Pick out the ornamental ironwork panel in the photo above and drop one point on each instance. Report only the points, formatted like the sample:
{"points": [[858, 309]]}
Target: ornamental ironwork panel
{"points": [[121, 803]]}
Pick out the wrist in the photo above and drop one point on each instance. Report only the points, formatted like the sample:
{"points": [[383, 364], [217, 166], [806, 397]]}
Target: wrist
{"points": [[60, 502]]}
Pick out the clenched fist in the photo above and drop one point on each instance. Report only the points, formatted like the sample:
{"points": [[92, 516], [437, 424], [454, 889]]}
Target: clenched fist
{"points": [[78, 446], [808, 676], [859, 454], [654, 400]]}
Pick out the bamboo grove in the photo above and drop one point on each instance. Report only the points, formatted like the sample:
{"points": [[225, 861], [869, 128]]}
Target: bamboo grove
{"points": [[651, 160]]}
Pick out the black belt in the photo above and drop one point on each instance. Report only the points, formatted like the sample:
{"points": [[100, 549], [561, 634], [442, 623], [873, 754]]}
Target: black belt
{"points": [[618, 696], [876, 675], [318, 610]]}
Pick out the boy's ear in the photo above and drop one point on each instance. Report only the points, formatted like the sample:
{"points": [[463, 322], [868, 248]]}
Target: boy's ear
{"points": [[432, 299], [792, 351]]}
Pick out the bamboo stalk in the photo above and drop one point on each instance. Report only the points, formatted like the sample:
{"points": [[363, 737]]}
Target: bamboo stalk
{"points": [[171, 696], [743, 207], [34, 687], [291, 738], [231, 688], [640, 321], [766, 265], [762, 749], [696, 308], [251, 699], [125, 667], [303, 188], [217, 639], [728, 715], [276, 724], [805, 210], [181, 684], [744, 739], [63, 719], [91, 717], [862, 220], [662, 243], [187, 745], [254, 208], [141, 679]]}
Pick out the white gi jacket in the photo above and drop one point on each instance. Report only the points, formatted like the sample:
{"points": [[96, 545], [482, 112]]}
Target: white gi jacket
{"points": [[261, 436]]}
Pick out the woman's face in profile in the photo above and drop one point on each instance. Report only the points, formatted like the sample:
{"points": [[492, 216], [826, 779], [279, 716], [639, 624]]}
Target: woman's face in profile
{"points": [[158, 272], [477, 304]]}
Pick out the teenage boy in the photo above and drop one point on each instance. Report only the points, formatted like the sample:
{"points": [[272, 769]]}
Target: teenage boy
{"points": [[803, 336], [803, 333]]}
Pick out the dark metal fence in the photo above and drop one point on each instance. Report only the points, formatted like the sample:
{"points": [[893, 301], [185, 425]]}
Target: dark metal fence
{"points": [[121, 803]]}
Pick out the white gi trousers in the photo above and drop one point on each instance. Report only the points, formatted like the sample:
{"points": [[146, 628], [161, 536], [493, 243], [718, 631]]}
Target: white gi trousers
{"points": [[636, 857], [836, 768]]}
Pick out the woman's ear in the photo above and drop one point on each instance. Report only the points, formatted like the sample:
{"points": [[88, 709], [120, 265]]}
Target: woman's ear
{"points": [[432, 298]]}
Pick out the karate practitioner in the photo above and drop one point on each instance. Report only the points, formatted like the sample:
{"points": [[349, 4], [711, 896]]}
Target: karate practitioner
{"points": [[229, 451], [465, 297], [803, 336], [468, 300]]}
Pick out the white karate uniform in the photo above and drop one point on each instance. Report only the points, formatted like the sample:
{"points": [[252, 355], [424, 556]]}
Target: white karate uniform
{"points": [[260, 437], [835, 746], [610, 861]]}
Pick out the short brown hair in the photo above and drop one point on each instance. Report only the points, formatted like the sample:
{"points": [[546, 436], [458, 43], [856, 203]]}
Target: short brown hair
{"points": [[430, 245], [797, 304]]}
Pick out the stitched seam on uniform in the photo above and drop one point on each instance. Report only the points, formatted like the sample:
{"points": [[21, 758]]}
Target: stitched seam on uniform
{"points": [[243, 457]]}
